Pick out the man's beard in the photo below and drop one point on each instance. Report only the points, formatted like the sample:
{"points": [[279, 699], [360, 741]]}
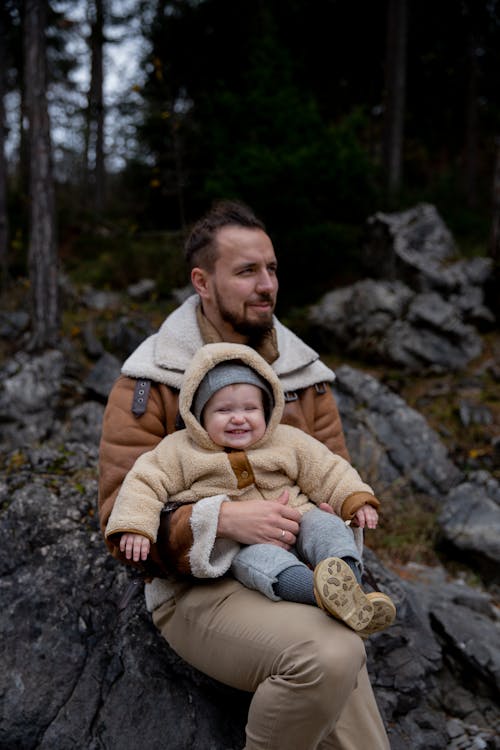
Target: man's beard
{"points": [[254, 330]]}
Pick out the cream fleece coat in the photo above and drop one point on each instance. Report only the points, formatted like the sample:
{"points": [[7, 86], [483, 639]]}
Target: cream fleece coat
{"points": [[188, 466]]}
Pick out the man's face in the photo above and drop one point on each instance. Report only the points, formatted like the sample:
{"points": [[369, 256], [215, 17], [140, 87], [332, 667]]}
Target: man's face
{"points": [[240, 295]]}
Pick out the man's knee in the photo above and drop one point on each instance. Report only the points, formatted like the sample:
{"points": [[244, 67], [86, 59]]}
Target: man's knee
{"points": [[328, 666]]}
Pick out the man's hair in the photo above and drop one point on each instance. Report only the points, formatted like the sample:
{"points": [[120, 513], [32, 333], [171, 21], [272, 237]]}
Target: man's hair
{"points": [[201, 247]]}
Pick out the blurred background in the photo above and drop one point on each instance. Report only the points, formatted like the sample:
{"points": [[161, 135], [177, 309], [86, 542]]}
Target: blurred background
{"points": [[124, 120]]}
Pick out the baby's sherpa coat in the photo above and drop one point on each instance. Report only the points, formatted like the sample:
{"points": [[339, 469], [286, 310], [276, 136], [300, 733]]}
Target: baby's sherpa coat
{"points": [[188, 466]]}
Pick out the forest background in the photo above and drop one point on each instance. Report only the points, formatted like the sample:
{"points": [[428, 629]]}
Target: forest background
{"points": [[316, 114]]}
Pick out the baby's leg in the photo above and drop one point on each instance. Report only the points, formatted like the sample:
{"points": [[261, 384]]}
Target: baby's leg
{"points": [[323, 535], [258, 566], [327, 543]]}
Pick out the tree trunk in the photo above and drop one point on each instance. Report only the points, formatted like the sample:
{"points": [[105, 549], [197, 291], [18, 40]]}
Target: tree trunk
{"points": [[42, 253], [95, 165], [4, 224], [471, 126], [395, 92], [495, 224]]}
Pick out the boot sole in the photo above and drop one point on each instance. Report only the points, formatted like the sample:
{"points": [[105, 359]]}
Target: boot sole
{"points": [[338, 593], [384, 613]]}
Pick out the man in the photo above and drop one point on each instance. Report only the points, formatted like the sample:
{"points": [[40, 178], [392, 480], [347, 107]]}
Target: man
{"points": [[307, 671]]}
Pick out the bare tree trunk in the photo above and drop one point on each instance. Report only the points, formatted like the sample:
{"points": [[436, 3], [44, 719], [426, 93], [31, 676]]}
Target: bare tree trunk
{"points": [[471, 127], [95, 164], [4, 224], [42, 253], [495, 224], [395, 92]]}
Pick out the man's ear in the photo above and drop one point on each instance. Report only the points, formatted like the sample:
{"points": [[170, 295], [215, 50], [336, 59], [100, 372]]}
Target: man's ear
{"points": [[199, 279]]}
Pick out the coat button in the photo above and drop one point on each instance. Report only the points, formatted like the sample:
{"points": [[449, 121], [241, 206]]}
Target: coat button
{"points": [[244, 474]]}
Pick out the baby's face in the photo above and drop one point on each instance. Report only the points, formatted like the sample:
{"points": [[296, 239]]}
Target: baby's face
{"points": [[234, 416]]}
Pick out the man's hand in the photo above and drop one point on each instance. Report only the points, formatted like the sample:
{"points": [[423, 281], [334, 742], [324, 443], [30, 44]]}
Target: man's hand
{"points": [[260, 522], [135, 547]]}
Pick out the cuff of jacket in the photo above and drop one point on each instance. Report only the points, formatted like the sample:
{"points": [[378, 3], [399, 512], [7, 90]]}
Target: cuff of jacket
{"points": [[354, 502], [187, 541], [210, 557], [174, 540]]}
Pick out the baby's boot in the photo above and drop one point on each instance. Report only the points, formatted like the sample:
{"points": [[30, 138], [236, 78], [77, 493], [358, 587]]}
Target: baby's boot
{"points": [[338, 592]]}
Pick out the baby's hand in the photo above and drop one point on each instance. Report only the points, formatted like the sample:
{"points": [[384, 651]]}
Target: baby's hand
{"points": [[366, 516], [135, 546]]}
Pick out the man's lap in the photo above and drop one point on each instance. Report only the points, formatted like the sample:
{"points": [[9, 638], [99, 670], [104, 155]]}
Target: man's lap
{"points": [[239, 637]]}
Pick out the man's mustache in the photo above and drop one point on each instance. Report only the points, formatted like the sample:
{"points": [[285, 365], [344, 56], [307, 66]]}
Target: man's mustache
{"points": [[265, 298]]}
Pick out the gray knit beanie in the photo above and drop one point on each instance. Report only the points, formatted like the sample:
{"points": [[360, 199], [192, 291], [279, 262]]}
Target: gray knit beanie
{"points": [[229, 373]]}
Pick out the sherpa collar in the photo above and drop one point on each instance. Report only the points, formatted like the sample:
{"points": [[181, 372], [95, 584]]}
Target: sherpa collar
{"points": [[164, 356]]}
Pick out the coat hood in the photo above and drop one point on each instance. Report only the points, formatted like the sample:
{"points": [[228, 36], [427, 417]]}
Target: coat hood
{"points": [[205, 359]]}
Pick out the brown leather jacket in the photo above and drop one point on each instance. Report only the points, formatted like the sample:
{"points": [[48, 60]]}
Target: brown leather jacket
{"points": [[125, 437]]}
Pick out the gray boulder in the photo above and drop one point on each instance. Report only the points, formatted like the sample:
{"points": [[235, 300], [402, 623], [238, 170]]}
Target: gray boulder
{"points": [[420, 309], [470, 520], [388, 322], [390, 443], [393, 447], [102, 376], [29, 392], [416, 247]]}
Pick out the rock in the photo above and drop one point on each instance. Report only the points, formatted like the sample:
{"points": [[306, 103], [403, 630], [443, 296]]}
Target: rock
{"points": [[102, 376], [470, 520], [29, 392], [416, 247], [142, 290], [471, 412], [13, 324], [125, 334], [93, 346], [389, 442], [388, 322], [100, 300], [465, 623], [75, 670], [85, 422], [408, 245], [181, 294]]}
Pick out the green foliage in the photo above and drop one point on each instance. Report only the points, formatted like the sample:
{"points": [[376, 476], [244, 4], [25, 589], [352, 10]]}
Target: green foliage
{"points": [[115, 259]]}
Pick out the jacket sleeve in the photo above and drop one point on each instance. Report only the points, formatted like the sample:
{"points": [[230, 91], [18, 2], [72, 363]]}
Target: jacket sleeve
{"points": [[124, 438], [315, 412], [144, 492], [327, 477]]}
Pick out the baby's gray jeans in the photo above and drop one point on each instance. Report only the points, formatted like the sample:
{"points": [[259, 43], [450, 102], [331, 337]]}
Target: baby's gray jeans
{"points": [[321, 535]]}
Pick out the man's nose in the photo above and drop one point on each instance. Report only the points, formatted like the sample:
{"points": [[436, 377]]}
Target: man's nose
{"points": [[266, 282]]}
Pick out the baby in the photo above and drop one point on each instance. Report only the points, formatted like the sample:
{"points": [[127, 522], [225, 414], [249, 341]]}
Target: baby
{"points": [[234, 445]]}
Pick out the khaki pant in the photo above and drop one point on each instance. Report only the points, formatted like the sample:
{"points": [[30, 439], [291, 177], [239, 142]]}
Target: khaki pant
{"points": [[307, 671]]}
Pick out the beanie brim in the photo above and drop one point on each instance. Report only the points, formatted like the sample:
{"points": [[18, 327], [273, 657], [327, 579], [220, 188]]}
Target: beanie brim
{"points": [[229, 373]]}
